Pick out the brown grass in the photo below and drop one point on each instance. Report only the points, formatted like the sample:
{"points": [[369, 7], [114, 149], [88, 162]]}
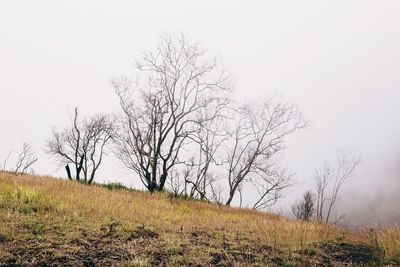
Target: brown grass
{"points": [[45, 208], [388, 238]]}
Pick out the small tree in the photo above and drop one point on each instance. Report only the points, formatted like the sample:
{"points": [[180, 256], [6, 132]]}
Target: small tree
{"points": [[83, 145], [329, 180], [304, 209], [199, 172], [24, 159], [4, 166], [257, 136], [270, 188]]}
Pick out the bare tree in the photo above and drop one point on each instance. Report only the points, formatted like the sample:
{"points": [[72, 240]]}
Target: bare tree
{"points": [[83, 145], [217, 193], [270, 188], [329, 180], [4, 166], [162, 115], [240, 191], [177, 186], [304, 209], [208, 139], [26, 158], [258, 135]]}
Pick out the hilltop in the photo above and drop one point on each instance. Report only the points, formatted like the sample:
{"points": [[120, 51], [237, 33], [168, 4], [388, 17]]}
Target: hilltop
{"points": [[50, 221]]}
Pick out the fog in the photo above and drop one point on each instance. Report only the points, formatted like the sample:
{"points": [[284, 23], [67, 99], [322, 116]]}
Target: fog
{"points": [[338, 61]]}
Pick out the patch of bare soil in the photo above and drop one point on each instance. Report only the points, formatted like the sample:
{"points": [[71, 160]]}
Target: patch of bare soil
{"points": [[108, 249], [105, 249], [92, 252], [142, 232], [357, 254]]}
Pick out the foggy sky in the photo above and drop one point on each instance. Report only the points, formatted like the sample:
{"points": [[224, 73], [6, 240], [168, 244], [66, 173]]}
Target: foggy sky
{"points": [[339, 61]]}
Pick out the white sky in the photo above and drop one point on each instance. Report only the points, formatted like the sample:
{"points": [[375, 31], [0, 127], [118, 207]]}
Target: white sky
{"points": [[338, 60]]}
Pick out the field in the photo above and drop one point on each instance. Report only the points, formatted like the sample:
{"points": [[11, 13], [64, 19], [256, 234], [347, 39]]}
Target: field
{"points": [[49, 221]]}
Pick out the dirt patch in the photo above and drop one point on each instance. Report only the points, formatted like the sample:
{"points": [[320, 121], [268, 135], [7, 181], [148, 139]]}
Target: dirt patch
{"points": [[159, 258], [103, 249], [93, 252], [142, 232], [202, 238], [354, 253], [110, 229], [3, 238], [108, 250], [220, 259]]}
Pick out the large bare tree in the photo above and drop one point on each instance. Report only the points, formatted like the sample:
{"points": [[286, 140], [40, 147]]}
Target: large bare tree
{"points": [[163, 111], [256, 137], [329, 181], [82, 145]]}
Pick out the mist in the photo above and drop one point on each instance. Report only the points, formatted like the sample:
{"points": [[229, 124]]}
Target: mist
{"points": [[338, 61]]}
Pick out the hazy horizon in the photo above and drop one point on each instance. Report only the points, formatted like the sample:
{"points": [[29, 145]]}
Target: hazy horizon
{"points": [[338, 61]]}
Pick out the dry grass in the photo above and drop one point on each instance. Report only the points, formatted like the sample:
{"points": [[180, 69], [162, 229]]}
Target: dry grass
{"points": [[388, 238], [35, 208]]}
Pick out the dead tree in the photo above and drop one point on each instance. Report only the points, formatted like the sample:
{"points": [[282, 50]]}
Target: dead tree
{"points": [[177, 186], [161, 115], [329, 180], [270, 188], [217, 193], [257, 136], [200, 171], [82, 144], [24, 159], [4, 166]]}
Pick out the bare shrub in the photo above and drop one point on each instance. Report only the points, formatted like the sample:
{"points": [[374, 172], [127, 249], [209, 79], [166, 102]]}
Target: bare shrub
{"points": [[304, 209], [82, 144], [24, 159], [329, 180]]}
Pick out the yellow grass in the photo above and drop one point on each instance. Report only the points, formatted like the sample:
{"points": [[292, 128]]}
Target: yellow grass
{"points": [[72, 206], [387, 237], [100, 205]]}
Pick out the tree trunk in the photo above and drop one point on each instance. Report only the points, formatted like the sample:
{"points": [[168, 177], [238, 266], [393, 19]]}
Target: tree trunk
{"points": [[79, 168], [68, 171], [163, 178], [233, 191], [91, 177], [228, 202]]}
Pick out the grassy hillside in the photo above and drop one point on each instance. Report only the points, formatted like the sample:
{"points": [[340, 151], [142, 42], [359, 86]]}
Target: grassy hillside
{"points": [[44, 220]]}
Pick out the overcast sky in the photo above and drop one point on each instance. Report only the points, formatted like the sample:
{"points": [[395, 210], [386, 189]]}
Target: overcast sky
{"points": [[339, 61]]}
